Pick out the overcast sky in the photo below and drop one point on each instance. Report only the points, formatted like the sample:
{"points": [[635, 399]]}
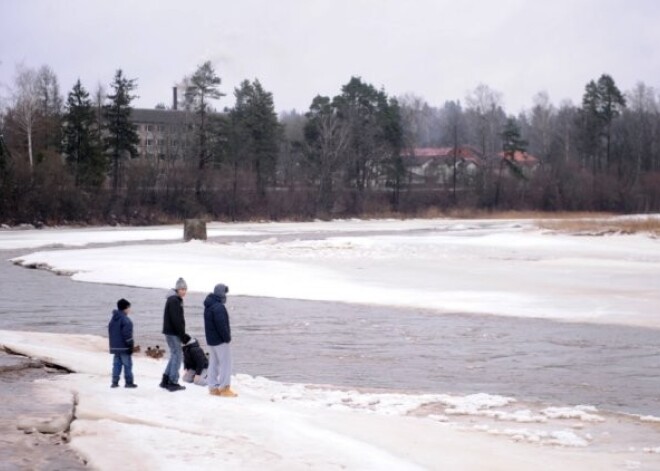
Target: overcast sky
{"points": [[437, 49]]}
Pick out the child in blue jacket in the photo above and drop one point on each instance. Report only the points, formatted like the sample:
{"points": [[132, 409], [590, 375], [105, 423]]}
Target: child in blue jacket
{"points": [[120, 335]]}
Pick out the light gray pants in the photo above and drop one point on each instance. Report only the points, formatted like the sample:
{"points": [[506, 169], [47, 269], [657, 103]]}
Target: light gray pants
{"points": [[219, 366]]}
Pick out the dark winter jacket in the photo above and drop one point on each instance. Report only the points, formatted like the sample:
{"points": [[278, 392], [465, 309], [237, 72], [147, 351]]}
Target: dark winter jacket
{"points": [[174, 323], [194, 357], [216, 321], [120, 333]]}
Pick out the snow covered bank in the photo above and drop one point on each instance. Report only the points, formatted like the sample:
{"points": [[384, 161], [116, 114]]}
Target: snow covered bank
{"points": [[493, 267], [277, 426], [67, 237], [78, 237]]}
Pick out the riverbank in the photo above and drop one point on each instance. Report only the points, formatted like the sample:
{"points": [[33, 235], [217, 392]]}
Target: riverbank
{"points": [[554, 383], [294, 426], [34, 417]]}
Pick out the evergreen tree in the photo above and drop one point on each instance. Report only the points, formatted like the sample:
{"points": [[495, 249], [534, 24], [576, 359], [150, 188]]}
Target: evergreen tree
{"points": [[80, 146], [602, 103], [202, 88], [6, 178], [359, 135], [392, 135], [512, 142], [357, 106], [122, 135], [254, 117], [375, 135]]}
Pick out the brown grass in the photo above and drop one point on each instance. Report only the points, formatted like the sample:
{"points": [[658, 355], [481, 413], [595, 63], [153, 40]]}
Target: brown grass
{"points": [[483, 214], [578, 223], [603, 226]]}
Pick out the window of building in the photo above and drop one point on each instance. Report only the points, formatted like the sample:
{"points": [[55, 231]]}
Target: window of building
{"points": [[161, 142], [149, 127], [150, 142]]}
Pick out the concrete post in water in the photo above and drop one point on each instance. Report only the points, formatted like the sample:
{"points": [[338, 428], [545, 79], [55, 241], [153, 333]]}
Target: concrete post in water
{"points": [[194, 229]]}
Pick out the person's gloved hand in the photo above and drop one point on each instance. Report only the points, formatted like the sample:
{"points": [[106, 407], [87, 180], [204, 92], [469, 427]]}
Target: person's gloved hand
{"points": [[185, 339]]}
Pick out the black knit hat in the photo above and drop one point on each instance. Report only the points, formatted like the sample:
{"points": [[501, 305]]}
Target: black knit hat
{"points": [[122, 304]]}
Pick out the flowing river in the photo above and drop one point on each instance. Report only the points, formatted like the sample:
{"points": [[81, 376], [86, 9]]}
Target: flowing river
{"points": [[615, 368]]}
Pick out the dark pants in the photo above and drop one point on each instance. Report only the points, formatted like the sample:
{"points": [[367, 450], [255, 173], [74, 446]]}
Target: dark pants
{"points": [[125, 360]]}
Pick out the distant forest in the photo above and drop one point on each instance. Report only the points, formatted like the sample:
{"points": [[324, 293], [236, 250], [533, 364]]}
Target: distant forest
{"points": [[75, 159]]}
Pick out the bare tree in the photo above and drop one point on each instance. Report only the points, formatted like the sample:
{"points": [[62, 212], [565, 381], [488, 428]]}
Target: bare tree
{"points": [[485, 105], [26, 104], [48, 91], [643, 107], [417, 119], [328, 138], [50, 107], [99, 101], [541, 121]]}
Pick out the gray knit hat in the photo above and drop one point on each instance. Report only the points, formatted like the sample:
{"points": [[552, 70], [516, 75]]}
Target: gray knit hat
{"points": [[180, 284]]}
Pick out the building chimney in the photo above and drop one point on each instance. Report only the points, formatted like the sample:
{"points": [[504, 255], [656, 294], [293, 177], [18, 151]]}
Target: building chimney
{"points": [[174, 98]]}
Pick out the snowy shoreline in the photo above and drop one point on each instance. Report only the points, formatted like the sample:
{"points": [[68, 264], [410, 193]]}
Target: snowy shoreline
{"points": [[299, 426], [504, 268], [495, 267]]}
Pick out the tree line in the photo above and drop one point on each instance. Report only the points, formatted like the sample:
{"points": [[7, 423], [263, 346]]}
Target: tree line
{"points": [[76, 160]]}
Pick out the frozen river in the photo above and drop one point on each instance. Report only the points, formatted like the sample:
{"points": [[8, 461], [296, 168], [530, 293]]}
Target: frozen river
{"points": [[613, 367]]}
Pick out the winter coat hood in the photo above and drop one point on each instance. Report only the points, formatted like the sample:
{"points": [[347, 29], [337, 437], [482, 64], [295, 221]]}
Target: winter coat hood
{"points": [[170, 293], [216, 321], [116, 315], [211, 299]]}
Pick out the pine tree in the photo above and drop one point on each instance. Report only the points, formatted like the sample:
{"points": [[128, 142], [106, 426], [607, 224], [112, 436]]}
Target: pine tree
{"points": [[81, 149], [254, 117], [203, 87], [122, 137], [512, 142], [602, 103]]}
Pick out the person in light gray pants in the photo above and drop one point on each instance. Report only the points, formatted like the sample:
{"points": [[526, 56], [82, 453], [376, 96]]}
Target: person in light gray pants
{"points": [[220, 367], [218, 338]]}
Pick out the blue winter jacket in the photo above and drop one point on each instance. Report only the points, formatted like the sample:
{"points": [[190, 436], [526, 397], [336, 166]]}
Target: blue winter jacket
{"points": [[120, 333], [216, 321]]}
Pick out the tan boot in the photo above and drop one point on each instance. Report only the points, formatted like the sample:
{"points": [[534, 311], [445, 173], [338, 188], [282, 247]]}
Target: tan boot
{"points": [[227, 392], [215, 392]]}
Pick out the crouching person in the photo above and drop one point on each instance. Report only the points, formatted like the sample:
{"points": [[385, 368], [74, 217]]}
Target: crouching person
{"points": [[120, 334], [195, 363]]}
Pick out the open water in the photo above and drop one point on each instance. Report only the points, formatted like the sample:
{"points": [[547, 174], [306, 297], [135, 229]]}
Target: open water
{"points": [[616, 368]]}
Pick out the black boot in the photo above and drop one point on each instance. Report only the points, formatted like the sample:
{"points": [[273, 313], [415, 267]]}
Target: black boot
{"points": [[172, 387], [130, 385], [165, 382]]}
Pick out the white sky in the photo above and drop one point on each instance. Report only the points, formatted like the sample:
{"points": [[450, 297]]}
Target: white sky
{"points": [[437, 49]]}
